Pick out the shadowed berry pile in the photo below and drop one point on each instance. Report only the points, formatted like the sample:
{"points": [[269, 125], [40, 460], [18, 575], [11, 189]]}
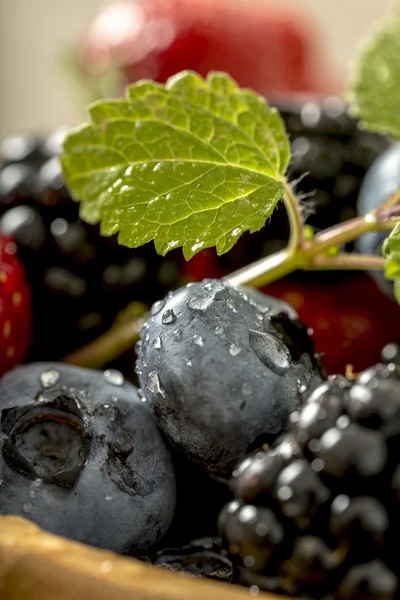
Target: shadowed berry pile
{"points": [[318, 514]]}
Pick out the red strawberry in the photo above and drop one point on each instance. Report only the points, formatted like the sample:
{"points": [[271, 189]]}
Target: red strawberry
{"points": [[266, 48], [15, 307]]}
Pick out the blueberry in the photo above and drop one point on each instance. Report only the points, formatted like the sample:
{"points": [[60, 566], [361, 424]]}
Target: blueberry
{"points": [[217, 373], [381, 181], [82, 457]]}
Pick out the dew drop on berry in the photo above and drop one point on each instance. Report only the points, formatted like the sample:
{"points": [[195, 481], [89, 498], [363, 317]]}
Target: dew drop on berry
{"points": [[154, 385], [49, 378], [157, 343], [157, 307], [177, 335], [230, 304], [271, 351], [114, 377], [168, 317], [234, 350], [200, 302], [198, 340]]}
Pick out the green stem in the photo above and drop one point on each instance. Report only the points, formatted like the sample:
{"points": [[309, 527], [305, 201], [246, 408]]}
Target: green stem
{"points": [[299, 254], [295, 217], [117, 340]]}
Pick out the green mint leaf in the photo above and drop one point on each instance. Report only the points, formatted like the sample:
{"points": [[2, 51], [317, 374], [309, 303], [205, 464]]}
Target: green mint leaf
{"points": [[193, 163], [391, 251], [375, 89]]}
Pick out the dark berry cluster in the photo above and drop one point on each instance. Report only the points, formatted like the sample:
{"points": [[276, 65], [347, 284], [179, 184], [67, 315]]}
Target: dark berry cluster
{"points": [[318, 514], [80, 280]]}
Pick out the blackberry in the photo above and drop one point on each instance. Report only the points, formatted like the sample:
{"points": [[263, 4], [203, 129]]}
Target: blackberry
{"points": [[80, 280], [318, 513]]}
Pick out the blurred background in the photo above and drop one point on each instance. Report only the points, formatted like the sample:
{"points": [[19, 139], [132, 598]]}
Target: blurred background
{"points": [[36, 37]]}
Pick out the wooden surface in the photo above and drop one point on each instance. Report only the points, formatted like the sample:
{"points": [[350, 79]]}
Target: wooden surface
{"points": [[35, 565]]}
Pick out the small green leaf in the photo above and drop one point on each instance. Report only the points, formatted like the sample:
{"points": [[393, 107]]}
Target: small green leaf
{"points": [[194, 163], [391, 251], [375, 89]]}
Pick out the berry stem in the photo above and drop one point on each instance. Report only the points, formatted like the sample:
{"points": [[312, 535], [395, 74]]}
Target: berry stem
{"points": [[121, 337], [277, 265], [295, 217], [352, 262], [302, 254]]}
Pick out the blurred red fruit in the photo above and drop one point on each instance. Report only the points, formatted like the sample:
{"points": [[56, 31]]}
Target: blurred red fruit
{"points": [[15, 307], [267, 48]]}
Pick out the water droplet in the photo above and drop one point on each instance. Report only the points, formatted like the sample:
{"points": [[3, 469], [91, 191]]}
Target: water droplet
{"points": [[218, 330], [32, 494], [231, 305], [157, 306], [114, 377], [234, 350], [246, 389], [168, 317], [153, 383], [106, 566], [138, 368], [189, 363], [138, 346], [271, 351], [27, 508], [157, 343], [49, 378], [198, 340], [177, 335], [108, 497], [200, 302]]}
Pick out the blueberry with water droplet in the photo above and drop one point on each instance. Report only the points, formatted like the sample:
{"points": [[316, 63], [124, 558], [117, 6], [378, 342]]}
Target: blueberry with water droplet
{"points": [[101, 471], [242, 381]]}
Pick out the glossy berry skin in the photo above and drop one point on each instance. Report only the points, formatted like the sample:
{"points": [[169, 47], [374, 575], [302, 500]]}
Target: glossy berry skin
{"points": [[217, 374], [82, 457], [381, 181], [330, 487], [15, 307]]}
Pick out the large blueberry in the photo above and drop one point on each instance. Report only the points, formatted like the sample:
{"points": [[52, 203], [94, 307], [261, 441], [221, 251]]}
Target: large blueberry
{"points": [[381, 181], [81, 456], [217, 372]]}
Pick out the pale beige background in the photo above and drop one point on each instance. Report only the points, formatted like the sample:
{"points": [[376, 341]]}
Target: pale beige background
{"points": [[33, 93]]}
